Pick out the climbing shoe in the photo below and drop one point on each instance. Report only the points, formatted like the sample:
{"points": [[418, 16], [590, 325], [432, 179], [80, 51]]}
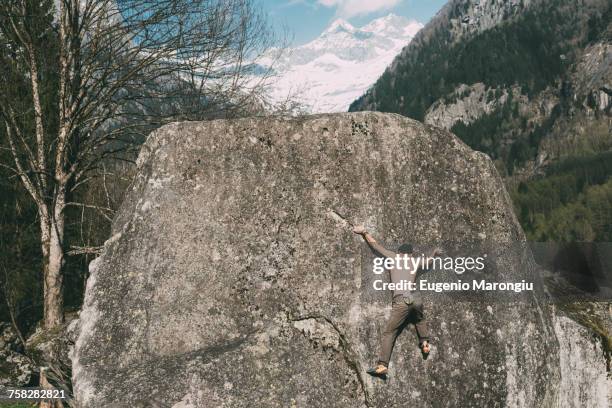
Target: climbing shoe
{"points": [[379, 371]]}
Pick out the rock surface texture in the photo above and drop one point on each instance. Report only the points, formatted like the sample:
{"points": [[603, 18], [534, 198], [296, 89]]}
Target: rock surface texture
{"points": [[15, 368], [583, 371], [230, 280]]}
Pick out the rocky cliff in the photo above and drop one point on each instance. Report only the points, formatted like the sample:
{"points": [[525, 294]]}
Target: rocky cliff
{"points": [[230, 280]]}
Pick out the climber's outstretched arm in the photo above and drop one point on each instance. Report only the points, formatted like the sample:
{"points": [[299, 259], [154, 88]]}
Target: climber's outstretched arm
{"points": [[360, 230]]}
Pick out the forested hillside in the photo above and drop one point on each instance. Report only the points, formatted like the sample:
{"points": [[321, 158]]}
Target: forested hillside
{"points": [[529, 83]]}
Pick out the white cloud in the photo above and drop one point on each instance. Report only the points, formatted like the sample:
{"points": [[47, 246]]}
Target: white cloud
{"points": [[351, 8]]}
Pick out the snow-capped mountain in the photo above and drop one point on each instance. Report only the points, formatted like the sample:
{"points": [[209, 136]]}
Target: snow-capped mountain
{"points": [[331, 71]]}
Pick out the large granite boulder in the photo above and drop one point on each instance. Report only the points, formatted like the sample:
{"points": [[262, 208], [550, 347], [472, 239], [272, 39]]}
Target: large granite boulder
{"points": [[232, 280]]}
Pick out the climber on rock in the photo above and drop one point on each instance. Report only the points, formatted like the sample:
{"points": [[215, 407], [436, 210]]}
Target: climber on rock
{"points": [[406, 306]]}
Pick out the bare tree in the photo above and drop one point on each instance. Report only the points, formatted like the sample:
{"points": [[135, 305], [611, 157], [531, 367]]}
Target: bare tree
{"points": [[81, 80]]}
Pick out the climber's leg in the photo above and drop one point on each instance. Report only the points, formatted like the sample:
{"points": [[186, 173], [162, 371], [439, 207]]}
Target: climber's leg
{"points": [[422, 330], [399, 314]]}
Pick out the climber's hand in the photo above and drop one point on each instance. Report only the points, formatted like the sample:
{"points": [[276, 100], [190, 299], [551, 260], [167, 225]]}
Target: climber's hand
{"points": [[438, 251], [359, 229]]}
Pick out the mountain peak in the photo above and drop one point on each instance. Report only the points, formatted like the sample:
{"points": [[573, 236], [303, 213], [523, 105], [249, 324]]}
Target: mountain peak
{"points": [[339, 25], [391, 16], [393, 22], [332, 70]]}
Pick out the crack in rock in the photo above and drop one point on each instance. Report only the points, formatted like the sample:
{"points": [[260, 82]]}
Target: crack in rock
{"points": [[339, 343]]}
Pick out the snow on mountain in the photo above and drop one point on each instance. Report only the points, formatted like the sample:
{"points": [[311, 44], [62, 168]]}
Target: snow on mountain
{"points": [[331, 71]]}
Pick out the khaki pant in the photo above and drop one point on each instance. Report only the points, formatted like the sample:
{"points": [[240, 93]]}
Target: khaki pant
{"points": [[401, 315]]}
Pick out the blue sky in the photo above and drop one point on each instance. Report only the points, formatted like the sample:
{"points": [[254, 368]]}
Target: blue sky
{"points": [[306, 19]]}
